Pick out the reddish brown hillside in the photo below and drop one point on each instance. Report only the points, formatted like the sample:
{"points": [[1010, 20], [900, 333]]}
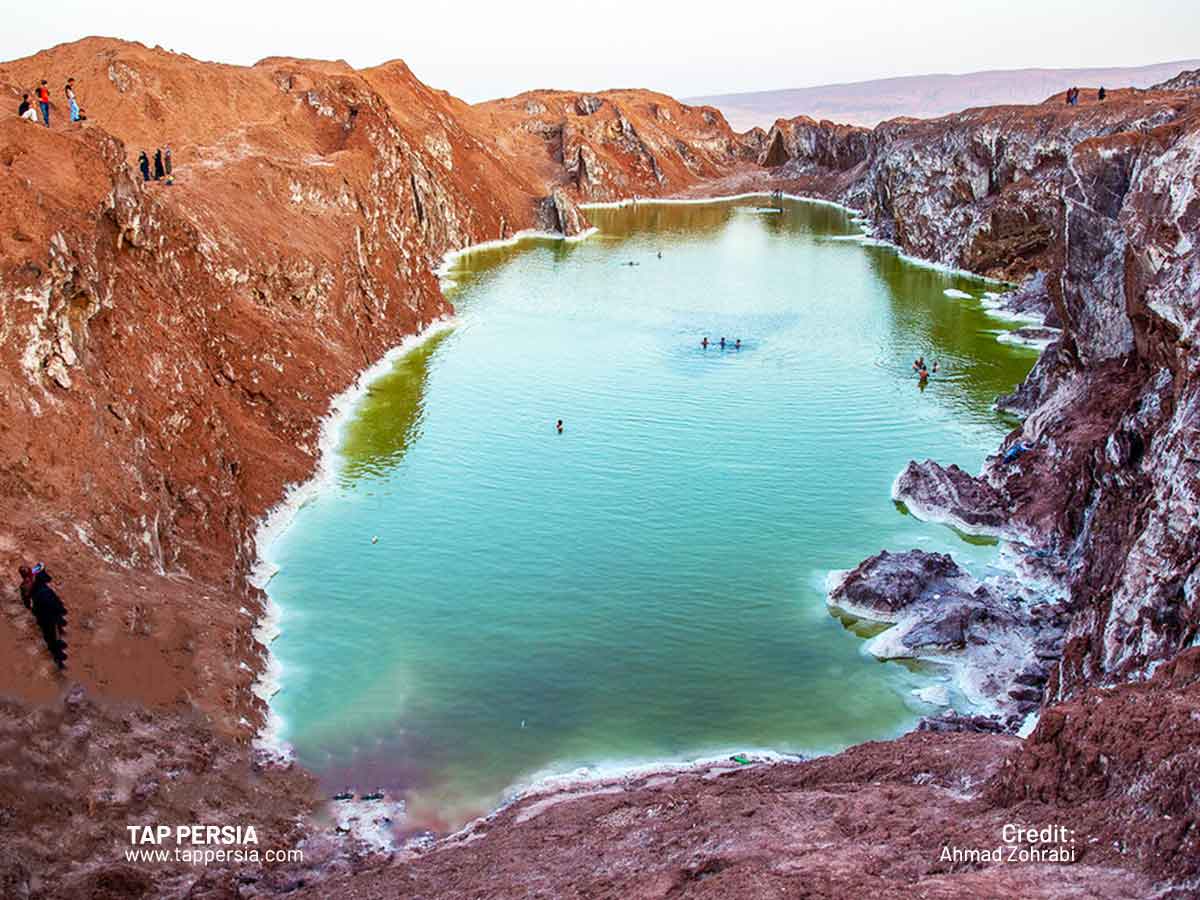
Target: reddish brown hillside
{"points": [[184, 340]]}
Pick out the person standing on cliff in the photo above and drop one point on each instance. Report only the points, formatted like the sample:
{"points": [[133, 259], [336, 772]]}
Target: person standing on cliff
{"points": [[26, 574], [144, 165], [50, 613], [167, 160], [158, 164], [1101, 94], [69, 90], [43, 95]]}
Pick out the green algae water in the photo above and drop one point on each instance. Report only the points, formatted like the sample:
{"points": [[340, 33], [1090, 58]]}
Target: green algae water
{"points": [[649, 584]]}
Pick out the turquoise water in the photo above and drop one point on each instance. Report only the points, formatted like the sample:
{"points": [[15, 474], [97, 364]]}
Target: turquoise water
{"points": [[647, 585]]}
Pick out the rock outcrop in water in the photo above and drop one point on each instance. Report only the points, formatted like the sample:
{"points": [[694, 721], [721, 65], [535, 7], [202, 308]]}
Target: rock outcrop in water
{"points": [[1102, 200], [1109, 482], [168, 352], [999, 643]]}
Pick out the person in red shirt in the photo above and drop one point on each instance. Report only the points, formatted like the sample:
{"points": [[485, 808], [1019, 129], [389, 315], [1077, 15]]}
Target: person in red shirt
{"points": [[43, 95]]}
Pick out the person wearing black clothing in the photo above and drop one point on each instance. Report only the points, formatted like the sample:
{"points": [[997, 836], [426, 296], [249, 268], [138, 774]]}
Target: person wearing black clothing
{"points": [[51, 615], [26, 585], [159, 172], [144, 165], [1101, 94]]}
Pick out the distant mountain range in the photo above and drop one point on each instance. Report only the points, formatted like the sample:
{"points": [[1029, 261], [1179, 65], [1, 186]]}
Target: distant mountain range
{"points": [[926, 96]]}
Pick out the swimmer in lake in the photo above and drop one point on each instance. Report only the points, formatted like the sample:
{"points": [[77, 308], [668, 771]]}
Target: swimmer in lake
{"points": [[935, 365], [558, 426], [737, 345], [722, 343], [704, 342]]}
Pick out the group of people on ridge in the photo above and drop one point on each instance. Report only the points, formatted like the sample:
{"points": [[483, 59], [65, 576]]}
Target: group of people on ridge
{"points": [[160, 168], [47, 608], [1073, 96], [162, 165], [26, 110]]}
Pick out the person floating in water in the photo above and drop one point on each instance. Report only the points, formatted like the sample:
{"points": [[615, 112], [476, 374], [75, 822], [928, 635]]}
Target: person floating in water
{"points": [[722, 343], [737, 345], [922, 371], [558, 426], [660, 254], [935, 365], [704, 342]]}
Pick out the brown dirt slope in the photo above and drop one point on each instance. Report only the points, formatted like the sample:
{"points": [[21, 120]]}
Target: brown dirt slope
{"points": [[1117, 768]]}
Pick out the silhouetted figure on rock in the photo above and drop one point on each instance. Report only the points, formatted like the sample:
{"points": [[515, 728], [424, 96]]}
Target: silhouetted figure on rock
{"points": [[144, 165], [26, 586], [50, 613]]}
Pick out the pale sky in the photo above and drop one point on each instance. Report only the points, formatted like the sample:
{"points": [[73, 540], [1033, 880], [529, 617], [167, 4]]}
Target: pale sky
{"points": [[481, 50]]}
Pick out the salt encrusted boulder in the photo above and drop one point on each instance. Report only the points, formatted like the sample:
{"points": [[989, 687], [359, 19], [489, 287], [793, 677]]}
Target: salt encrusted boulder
{"points": [[998, 644], [948, 494], [887, 583]]}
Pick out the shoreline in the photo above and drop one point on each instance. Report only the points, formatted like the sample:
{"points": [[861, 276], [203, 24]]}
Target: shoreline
{"points": [[268, 739], [856, 216], [548, 790], [277, 520]]}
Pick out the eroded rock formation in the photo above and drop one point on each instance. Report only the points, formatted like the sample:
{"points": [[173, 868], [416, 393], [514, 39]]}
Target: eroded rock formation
{"points": [[998, 640]]}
